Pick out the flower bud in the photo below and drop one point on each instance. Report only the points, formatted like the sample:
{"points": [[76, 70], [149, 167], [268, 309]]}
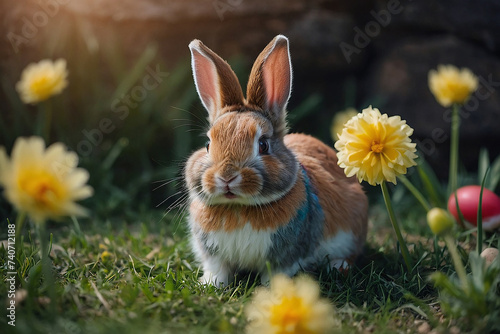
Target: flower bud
{"points": [[106, 256], [440, 221]]}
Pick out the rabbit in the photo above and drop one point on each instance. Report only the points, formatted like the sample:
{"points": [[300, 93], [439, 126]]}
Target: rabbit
{"points": [[257, 195]]}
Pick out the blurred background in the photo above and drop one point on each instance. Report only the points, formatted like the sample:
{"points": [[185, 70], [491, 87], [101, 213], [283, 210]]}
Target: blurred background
{"points": [[129, 63]]}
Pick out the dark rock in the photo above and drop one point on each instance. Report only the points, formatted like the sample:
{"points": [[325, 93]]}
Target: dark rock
{"points": [[315, 40], [179, 11], [400, 78], [474, 20], [390, 71]]}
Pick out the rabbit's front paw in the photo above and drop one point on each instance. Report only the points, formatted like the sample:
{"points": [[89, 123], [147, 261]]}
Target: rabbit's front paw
{"points": [[215, 274]]}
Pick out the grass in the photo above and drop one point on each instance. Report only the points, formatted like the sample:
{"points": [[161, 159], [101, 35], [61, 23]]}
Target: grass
{"points": [[128, 280], [128, 268], [113, 277]]}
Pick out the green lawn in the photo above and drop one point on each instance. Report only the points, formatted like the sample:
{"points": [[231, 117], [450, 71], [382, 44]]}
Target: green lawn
{"points": [[128, 268], [141, 278]]}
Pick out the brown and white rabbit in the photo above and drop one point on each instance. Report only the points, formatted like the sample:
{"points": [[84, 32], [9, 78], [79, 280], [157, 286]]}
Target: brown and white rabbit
{"points": [[258, 195]]}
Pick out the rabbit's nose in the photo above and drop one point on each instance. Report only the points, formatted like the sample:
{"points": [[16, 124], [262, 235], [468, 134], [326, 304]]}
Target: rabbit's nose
{"points": [[227, 180]]}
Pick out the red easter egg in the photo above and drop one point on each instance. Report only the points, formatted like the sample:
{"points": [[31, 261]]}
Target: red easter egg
{"points": [[468, 202]]}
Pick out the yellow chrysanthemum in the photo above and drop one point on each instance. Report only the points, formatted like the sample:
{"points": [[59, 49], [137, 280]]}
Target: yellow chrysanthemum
{"points": [[375, 147], [44, 183], [41, 80], [339, 120], [451, 85], [290, 306]]}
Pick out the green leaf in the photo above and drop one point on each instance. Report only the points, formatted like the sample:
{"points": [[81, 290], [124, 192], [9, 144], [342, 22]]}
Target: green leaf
{"points": [[431, 183], [477, 266], [452, 287], [147, 292], [494, 175], [480, 215], [169, 284], [483, 164], [136, 72], [310, 104]]}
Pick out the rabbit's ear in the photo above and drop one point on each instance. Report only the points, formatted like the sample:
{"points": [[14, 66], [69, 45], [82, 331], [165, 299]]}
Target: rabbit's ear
{"points": [[270, 81], [216, 83]]}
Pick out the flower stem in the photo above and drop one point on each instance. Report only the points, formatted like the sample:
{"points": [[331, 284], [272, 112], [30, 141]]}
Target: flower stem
{"points": [[392, 216], [20, 219], [47, 120], [457, 261], [455, 126], [19, 223], [47, 268], [418, 195]]}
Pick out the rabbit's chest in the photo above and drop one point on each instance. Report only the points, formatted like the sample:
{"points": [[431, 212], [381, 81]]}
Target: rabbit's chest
{"points": [[243, 247]]}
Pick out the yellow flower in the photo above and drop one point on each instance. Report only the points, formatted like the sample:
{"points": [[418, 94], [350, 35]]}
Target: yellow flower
{"points": [[44, 183], [41, 80], [440, 221], [339, 120], [106, 256], [290, 306], [375, 147], [451, 85]]}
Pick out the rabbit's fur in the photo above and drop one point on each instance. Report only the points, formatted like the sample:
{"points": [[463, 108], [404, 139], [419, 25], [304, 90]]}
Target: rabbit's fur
{"points": [[257, 194]]}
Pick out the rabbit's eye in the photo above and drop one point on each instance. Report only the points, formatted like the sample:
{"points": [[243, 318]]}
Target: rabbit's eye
{"points": [[263, 146], [207, 146]]}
